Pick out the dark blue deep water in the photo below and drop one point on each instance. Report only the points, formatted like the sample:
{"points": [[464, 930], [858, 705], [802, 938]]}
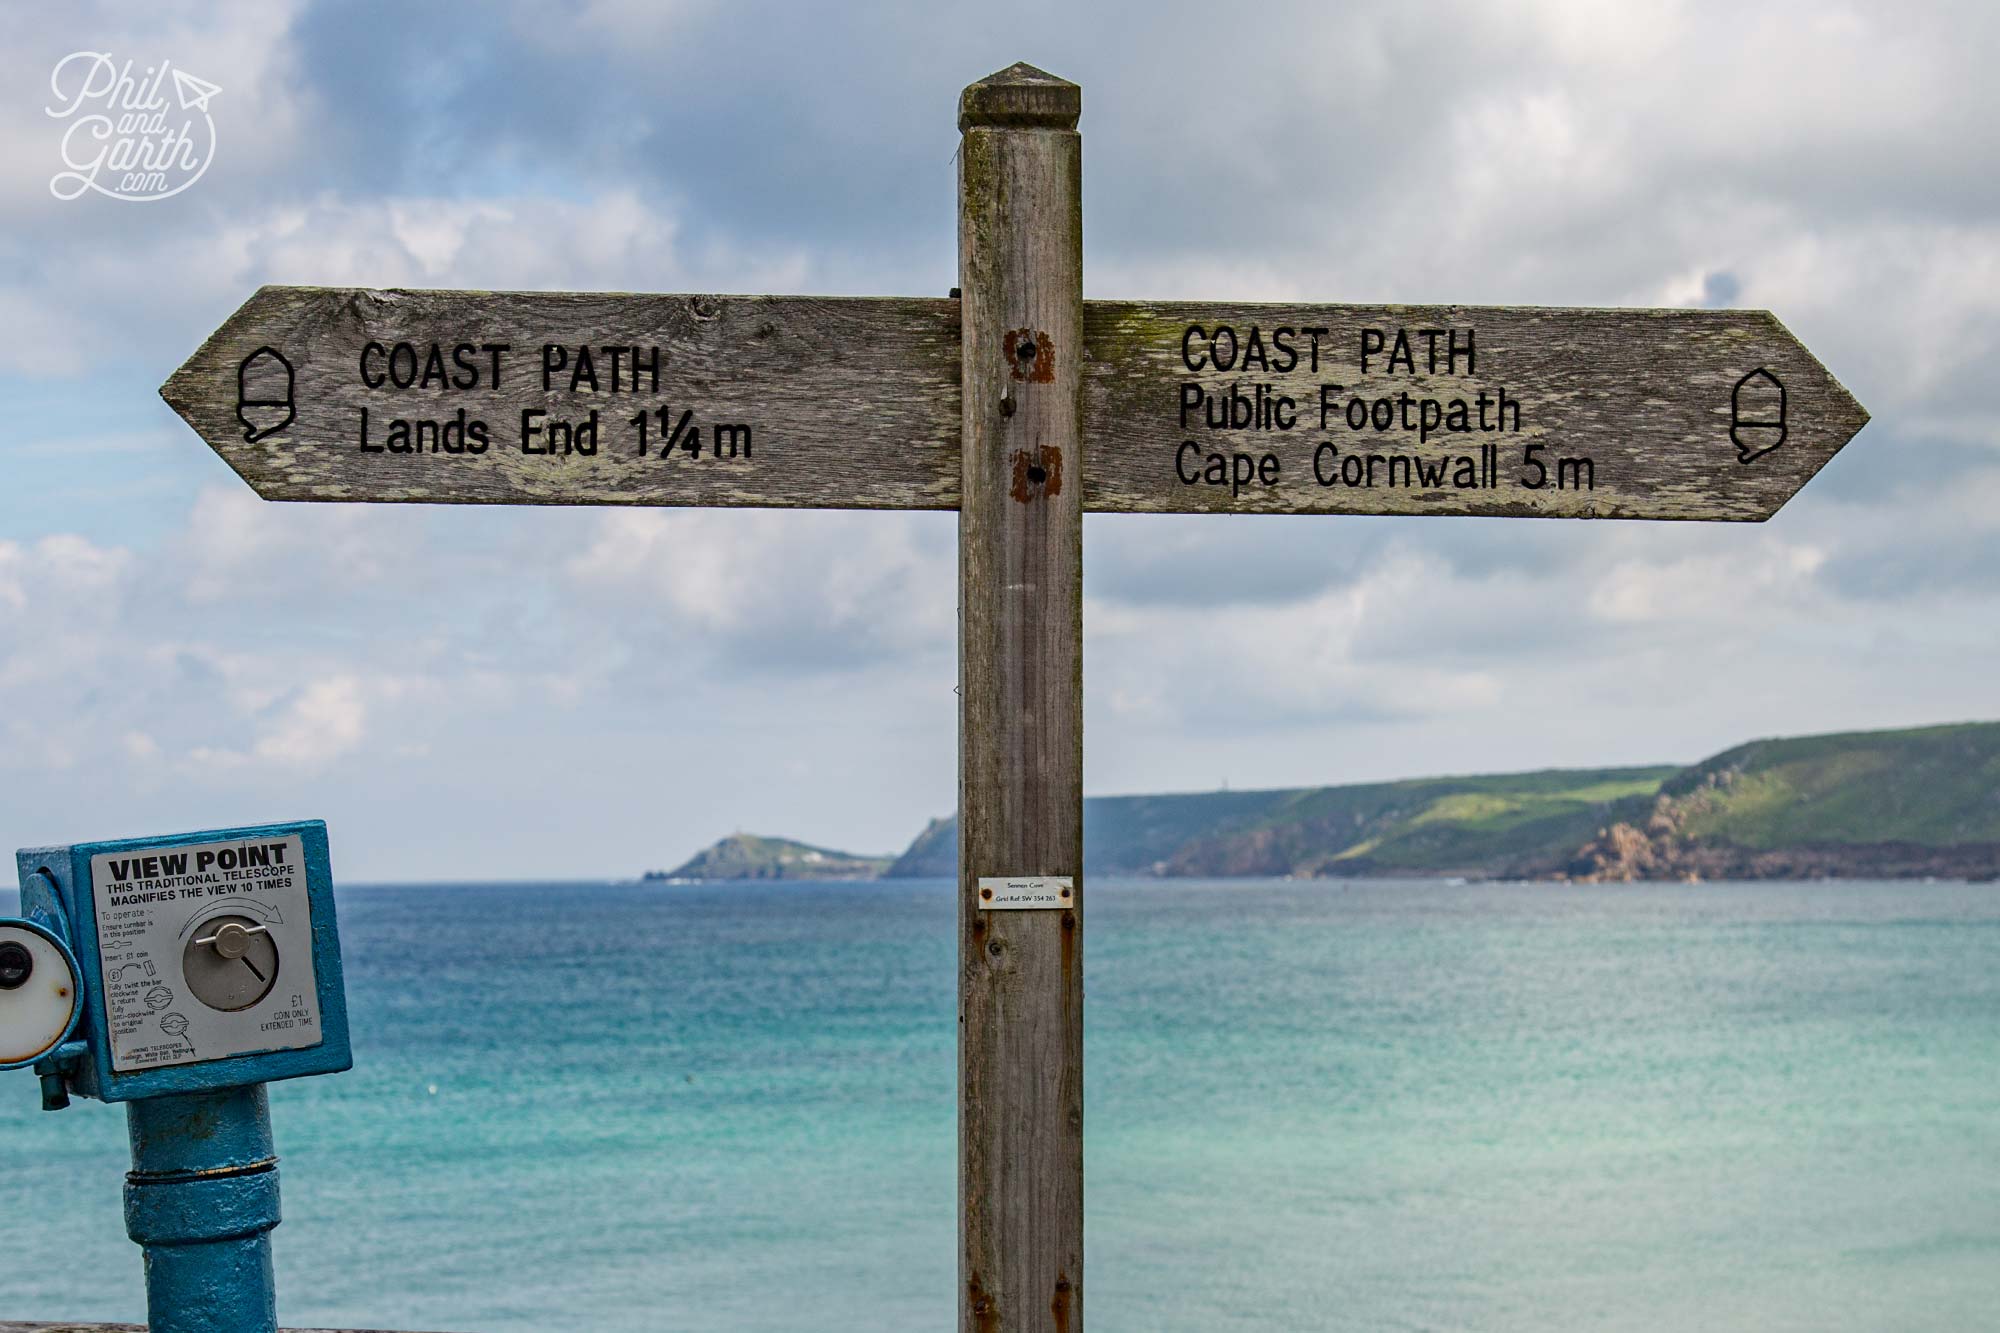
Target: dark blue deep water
{"points": [[1363, 1106]]}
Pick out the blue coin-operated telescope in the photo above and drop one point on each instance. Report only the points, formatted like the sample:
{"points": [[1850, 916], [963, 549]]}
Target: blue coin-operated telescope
{"points": [[179, 975]]}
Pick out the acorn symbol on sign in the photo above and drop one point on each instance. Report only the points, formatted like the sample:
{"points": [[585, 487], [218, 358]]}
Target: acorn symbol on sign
{"points": [[1757, 415], [264, 394]]}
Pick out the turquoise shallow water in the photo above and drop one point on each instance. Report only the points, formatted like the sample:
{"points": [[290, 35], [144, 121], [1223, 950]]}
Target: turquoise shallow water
{"points": [[1365, 1106]]}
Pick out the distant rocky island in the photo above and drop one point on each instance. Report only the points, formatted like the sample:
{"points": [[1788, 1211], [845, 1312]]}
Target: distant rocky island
{"points": [[1857, 805], [747, 856]]}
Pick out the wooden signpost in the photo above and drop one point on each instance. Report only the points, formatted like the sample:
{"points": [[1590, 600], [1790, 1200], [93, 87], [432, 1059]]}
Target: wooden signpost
{"points": [[985, 404]]}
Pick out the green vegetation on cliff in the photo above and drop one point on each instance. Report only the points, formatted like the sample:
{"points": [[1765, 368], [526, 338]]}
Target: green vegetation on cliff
{"points": [[1935, 786], [1463, 825], [1891, 803]]}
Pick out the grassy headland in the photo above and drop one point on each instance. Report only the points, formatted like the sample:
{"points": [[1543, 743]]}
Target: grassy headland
{"points": [[1859, 804]]}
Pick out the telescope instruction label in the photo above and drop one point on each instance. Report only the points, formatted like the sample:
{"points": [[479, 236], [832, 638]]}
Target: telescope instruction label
{"points": [[205, 950]]}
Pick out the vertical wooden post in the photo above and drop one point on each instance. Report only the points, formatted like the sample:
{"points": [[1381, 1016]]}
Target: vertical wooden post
{"points": [[1020, 787]]}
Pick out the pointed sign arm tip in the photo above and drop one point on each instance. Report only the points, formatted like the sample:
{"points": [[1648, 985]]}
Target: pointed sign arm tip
{"points": [[1857, 414]]}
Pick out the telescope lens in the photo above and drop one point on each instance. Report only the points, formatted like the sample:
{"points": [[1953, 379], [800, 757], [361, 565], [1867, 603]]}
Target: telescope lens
{"points": [[16, 966]]}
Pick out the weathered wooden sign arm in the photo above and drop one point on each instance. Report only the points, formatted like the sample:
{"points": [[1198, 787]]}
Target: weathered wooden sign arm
{"points": [[315, 393], [1516, 411], [325, 394]]}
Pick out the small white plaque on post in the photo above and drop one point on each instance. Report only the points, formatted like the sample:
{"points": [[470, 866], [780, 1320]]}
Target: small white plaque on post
{"points": [[1019, 892]]}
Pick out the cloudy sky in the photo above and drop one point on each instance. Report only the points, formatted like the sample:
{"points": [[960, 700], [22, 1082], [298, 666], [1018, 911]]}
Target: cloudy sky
{"points": [[579, 693]]}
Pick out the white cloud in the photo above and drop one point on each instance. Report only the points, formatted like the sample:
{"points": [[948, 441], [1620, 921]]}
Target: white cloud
{"points": [[628, 29], [107, 664], [236, 545], [1912, 307], [1269, 665], [63, 310], [324, 720], [1690, 591], [797, 591]]}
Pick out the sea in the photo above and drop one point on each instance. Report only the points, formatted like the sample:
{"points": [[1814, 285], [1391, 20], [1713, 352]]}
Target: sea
{"points": [[1314, 1105]]}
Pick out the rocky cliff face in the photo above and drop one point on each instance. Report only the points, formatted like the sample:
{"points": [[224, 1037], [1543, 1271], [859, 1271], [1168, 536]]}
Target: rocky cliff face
{"points": [[1663, 847], [1623, 852]]}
